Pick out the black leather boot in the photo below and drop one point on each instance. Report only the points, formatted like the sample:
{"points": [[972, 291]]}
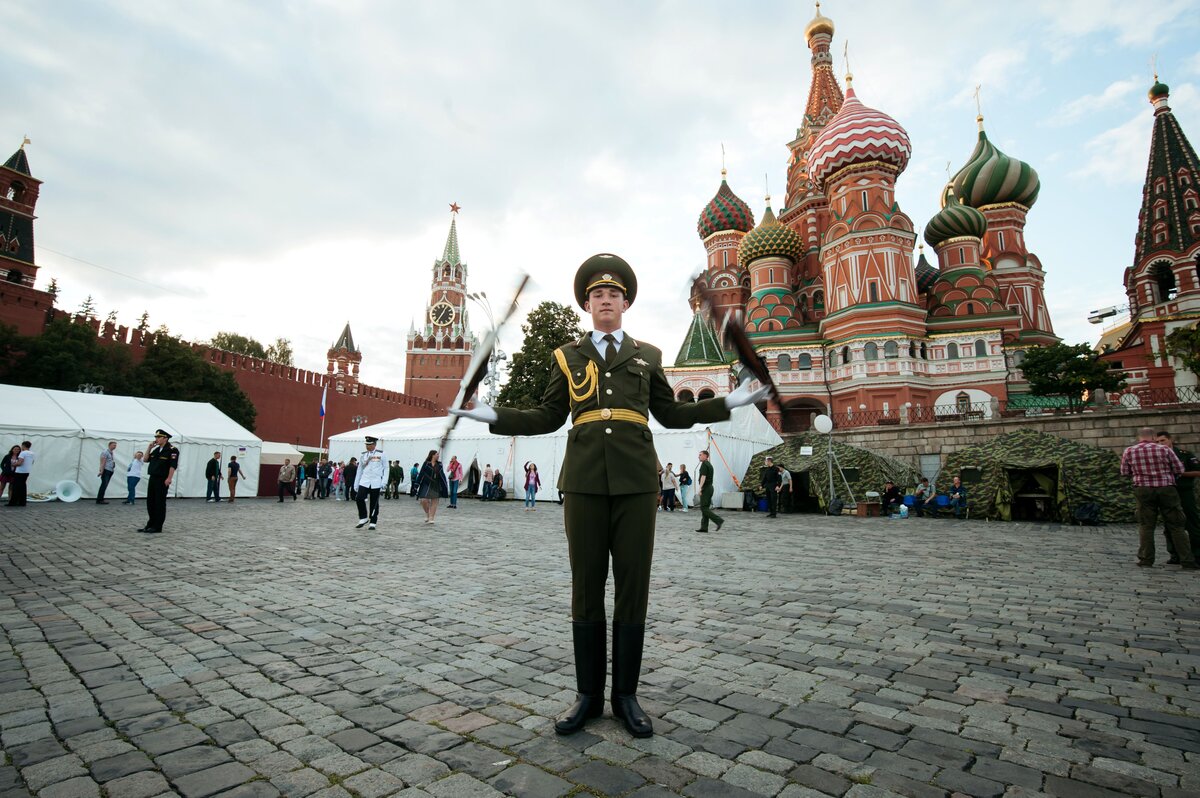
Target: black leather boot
{"points": [[628, 639], [590, 667]]}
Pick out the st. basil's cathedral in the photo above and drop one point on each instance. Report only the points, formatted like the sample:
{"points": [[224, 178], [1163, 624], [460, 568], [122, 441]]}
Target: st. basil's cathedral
{"points": [[829, 291]]}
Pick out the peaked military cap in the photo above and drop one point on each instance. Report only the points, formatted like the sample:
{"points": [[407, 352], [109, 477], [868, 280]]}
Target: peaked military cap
{"points": [[163, 433], [604, 270], [371, 439]]}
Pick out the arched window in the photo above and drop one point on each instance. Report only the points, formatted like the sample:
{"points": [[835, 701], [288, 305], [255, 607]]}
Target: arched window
{"points": [[952, 351], [890, 350], [16, 191], [970, 308], [784, 363], [1164, 278], [819, 300], [706, 394], [14, 276], [686, 396], [980, 348], [873, 290], [962, 402], [804, 362], [912, 349], [924, 352], [870, 352], [846, 355]]}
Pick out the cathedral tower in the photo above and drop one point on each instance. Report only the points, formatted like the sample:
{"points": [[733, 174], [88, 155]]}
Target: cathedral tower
{"points": [[1004, 189], [1163, 284], [25, 306], [440, 348], [344, 360], [722, 225]]}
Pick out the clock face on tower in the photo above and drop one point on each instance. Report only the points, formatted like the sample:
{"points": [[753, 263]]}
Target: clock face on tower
{"points": [[441, 314]]}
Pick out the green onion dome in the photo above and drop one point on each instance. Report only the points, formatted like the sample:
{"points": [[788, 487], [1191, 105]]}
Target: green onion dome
{"points": [[993, 178], [926, 273], [770, 238], [1159, 89], [953, 221], [725, 211]]}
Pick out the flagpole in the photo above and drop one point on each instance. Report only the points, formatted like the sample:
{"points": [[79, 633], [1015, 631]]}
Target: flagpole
{"points": [[321, 441]]}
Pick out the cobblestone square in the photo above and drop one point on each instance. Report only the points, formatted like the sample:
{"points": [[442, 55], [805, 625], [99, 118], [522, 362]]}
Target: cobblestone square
{"points": [[259, 650]]}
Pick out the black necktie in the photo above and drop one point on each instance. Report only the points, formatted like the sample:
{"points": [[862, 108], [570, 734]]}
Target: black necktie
{"points": [[610, 354]]}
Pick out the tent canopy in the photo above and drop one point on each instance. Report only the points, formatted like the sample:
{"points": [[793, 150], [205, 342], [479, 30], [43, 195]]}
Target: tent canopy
{"points": [[70, 430], [409, 440], [1081, 474], [809, 452], [274, 453]]}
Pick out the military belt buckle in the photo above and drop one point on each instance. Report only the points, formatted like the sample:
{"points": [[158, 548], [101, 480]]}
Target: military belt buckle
{"points": [[605, 413]]}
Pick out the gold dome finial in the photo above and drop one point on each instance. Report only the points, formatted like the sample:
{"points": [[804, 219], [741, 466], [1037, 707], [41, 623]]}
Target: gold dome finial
{"points": [[818, 24]]}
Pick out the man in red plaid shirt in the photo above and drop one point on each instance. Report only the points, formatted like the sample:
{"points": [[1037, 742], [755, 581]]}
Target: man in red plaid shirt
{"points": [[1154, 469]]}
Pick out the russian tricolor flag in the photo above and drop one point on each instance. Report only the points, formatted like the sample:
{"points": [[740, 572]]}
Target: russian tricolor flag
{"points": [[323, 393]]}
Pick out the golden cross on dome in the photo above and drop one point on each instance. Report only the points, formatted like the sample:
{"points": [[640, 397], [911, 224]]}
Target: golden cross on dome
{"points": [[1154, 66], [978, 106], [26, 141], [454, 207], [722, 159]]}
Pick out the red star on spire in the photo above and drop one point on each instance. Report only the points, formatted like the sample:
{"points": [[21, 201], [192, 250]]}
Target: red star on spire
{"points": [[454, 207]]}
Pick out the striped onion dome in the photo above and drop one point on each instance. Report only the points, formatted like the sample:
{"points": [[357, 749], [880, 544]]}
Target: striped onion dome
{"points": [[926, 273], [858, 134], [992, 178], [770, 238], [725, 211], [954, 220]]}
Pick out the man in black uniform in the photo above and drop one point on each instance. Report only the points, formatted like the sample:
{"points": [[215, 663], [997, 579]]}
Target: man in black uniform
{"points": [[771, 482], [606, 383], [1185, 485], [161, 461]]}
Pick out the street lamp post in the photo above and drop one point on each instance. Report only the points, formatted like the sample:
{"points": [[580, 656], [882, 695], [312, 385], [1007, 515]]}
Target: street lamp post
{"points": [[492, 380]]}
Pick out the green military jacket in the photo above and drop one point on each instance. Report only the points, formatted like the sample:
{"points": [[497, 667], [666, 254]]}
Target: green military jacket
{"points": [[608, 456]]}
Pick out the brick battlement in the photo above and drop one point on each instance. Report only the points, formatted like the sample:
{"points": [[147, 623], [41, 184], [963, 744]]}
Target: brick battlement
{"points": [[287, 398]]}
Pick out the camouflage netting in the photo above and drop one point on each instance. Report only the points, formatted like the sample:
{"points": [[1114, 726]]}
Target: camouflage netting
{"points": [[1072, 473], [873, 469]]}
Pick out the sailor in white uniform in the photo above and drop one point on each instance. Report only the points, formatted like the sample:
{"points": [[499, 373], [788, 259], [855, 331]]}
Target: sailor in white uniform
{"points": [[368, 481]]}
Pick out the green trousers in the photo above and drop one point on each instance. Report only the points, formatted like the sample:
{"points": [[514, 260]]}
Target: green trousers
{"points": [[706, 511], [1191, 518], [1165, 501], [620, 527]]}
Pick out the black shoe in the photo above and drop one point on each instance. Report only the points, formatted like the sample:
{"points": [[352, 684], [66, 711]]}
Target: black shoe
{"points": [[141, 529], [101, 501], [590, 666], [771, 515], [1145, 565], [720, 525], [628, 639], [705, 531]]}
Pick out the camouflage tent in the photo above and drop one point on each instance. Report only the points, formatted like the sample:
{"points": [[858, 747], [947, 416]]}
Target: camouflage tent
{"points": [[865, 470], [1001, 471]]}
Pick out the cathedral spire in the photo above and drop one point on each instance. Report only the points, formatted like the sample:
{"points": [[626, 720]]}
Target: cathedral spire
{"points": [[1170, 217], [346, 340], [824, 101], [450, 253]]}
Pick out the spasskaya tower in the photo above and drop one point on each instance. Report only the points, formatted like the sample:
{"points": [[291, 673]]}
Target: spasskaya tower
{"points": [[440, 347]]}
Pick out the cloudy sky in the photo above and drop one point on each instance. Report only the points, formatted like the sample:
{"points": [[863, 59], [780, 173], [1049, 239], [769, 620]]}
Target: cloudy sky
{"points": [[281, 168]]}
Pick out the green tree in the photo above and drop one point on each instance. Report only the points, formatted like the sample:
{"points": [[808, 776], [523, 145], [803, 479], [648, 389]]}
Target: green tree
{"points": [[53, 290], [65, 356], [88, 309], [1184, 343], [238, 344], [280, 352], [172, 370], [549, 326], [143, 324], [1068, 371]]}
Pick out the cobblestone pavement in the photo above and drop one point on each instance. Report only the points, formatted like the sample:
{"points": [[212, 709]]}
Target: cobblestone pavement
{"points": [[259, 650]]}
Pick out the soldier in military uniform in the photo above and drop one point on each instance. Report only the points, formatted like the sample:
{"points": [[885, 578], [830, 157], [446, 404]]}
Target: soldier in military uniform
{"points": [[607, 382], [371, 476], [1185, 485], [162, 459]]}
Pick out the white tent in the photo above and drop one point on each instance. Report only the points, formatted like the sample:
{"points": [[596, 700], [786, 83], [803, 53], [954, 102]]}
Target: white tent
{"points": [[70, 430], [274, 453], [732, 443]]}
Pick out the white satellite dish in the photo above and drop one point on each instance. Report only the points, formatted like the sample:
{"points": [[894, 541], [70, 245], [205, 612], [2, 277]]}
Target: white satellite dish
{"points": [[68, 491], [823, 424]]}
